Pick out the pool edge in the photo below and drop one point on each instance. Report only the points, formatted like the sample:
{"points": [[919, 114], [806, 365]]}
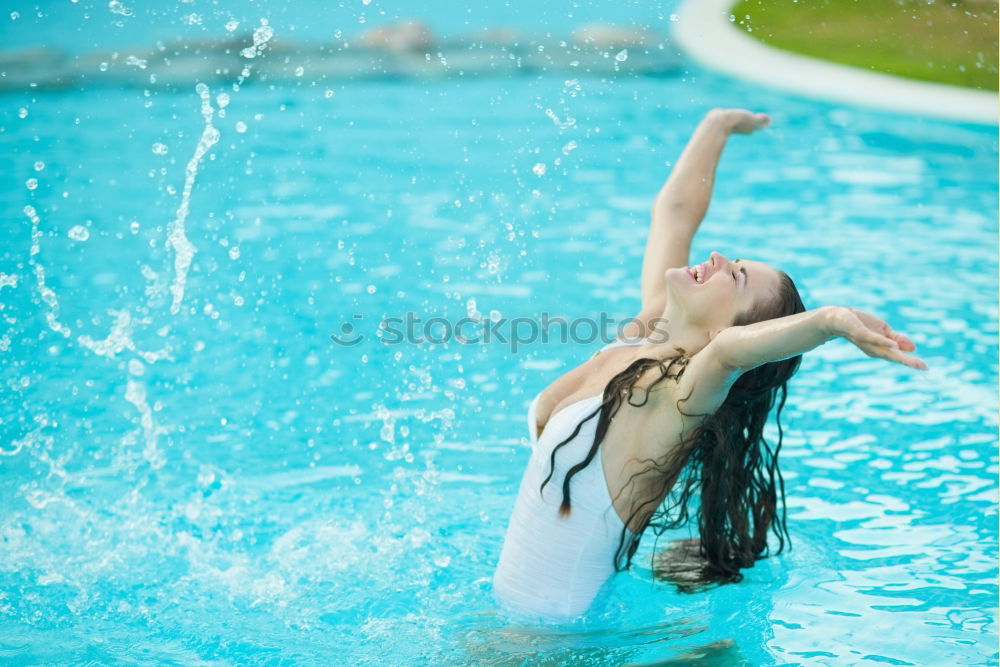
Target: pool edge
{"points": [[703, 31]]}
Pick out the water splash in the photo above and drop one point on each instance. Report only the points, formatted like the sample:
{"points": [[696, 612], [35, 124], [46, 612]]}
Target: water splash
{"points": [[48, 296], [135, 393], [32, 440], [120, 338], [8, 279], [261, 36], [116, 7], [176, 237], [78, 233]]}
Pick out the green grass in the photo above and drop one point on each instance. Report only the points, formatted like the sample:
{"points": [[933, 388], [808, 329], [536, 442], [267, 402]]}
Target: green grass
{"points": [[945, 41]]}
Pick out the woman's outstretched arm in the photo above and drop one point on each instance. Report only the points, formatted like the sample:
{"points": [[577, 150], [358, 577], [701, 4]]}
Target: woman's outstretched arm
{"points": [[747, 347], [736, 350], [683, 200]]}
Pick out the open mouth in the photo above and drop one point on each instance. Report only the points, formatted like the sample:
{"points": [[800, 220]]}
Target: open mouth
{"points": [[697, 272]]}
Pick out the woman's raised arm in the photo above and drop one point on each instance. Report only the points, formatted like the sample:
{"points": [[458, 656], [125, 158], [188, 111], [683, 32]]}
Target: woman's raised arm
{"points": [[750, 346], [736, 350], [683, 200]]}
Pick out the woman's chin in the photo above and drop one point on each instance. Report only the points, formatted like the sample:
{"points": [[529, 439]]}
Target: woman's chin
{"points": [[679, 278]]}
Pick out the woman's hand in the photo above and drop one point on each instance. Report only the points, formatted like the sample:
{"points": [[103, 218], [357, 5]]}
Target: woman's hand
{"points": [[873, 336], [742, 121]]}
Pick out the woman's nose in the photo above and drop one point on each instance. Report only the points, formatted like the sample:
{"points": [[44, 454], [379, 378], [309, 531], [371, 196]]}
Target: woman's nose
{"points": [[717, 258]]}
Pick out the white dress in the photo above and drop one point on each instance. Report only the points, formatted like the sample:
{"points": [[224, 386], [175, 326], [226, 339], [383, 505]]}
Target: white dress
{"points": [[554, 566]]}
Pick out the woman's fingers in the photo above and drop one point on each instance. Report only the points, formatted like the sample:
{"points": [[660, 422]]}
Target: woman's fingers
{"points": [[874, 338], [892, 353], [904, 342], [874, 323], [743, 121], [908, 360], [877, 339]]}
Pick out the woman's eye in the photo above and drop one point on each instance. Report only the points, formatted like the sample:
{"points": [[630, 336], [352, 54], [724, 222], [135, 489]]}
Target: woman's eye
{"points": [[734, 278]]}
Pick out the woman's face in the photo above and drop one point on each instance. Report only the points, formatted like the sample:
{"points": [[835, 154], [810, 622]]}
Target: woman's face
{"points": [[711, 294]]}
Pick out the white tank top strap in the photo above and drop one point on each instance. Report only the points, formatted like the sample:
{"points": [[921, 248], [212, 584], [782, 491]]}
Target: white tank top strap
{"points": [[621, 342]]}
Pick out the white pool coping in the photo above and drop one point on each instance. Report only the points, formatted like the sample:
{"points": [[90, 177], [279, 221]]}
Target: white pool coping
{"points": [[704, 32]]}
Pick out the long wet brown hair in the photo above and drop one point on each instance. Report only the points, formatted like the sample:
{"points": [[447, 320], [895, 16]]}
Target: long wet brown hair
{"points": [[726, 461]]}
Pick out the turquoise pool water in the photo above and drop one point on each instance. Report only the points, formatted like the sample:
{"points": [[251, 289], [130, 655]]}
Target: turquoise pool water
{"points": [[224, 484]]}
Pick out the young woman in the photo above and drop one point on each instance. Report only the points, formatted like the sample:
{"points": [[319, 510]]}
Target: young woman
{"points": [[677, 407]]}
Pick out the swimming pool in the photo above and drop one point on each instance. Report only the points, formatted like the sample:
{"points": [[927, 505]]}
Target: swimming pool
{"points": [[227, 484]]}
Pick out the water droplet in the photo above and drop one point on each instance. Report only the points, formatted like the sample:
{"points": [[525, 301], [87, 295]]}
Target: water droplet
{"points": [[31, 183], [674, 18], [569, 147], [328, 94], [622, 55], [539, 169], [79, 233], [103, 67], [241, 127], [22, 113], [238, 300], [299, 71], [261, 36], [232, 25], [39, 165], [234, 252], [222, 99], [115, 7], [732, 19], [14, 16], [159, 149], [134, 227], [135, 367], [136, 62], [371, 289]]}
